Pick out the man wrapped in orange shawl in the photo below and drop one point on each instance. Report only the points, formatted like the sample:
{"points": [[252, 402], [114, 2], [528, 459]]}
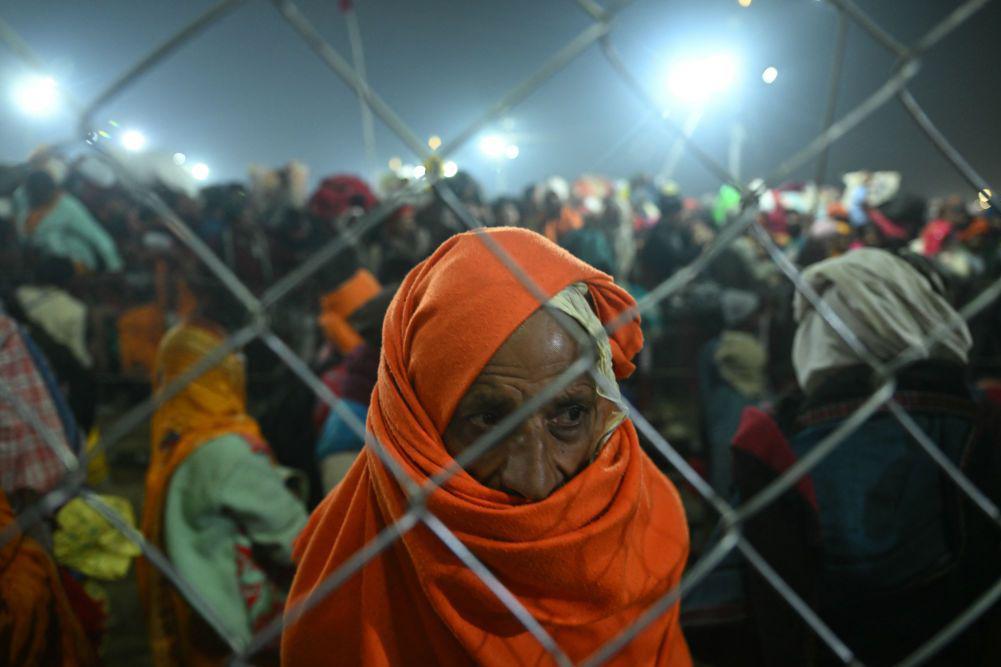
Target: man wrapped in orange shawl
{"points": [[586, 560]]}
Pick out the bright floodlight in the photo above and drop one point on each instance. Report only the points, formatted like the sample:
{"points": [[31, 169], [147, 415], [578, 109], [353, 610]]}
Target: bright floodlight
{"points": [[419, 171], [493, 146], [133, 140], [696, 80], [199, 171], [37, 95], [511, 151], [434, 142], [180, 158], [449, 169], [769, 75]]}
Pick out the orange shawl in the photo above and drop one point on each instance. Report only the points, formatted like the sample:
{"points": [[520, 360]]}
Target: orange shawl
{"points": [[337, 306], [37, 624], [141, 328], [212, 405], [586, 561]]}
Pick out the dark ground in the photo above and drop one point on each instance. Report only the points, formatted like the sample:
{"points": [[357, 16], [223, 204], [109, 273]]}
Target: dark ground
{"points": [[126, 643]]}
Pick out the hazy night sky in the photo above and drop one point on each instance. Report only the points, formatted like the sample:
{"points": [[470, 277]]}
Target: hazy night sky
{"points": [[249, 90]]}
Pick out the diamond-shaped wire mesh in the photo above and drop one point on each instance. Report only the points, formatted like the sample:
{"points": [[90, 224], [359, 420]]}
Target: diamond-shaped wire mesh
{"points": [[732, 519]]}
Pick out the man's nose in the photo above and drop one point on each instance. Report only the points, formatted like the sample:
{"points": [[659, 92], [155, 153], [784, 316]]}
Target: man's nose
{"points": [[528, 472]]}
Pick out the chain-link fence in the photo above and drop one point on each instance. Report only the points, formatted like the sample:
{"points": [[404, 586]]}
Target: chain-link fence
{"points": [[598, 34]]}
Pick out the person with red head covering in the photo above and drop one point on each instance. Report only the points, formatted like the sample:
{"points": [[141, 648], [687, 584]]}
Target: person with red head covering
{"points": [[566, 511], [337, 195]]}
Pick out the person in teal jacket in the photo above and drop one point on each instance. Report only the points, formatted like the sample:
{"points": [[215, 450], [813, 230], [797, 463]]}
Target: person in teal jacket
{"points": [[56, 223]]}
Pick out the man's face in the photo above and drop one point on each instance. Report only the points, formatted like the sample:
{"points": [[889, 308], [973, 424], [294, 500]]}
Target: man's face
{"points": [[549, 447]]}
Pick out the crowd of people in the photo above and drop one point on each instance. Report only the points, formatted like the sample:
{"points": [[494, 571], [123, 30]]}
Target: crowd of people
{"points": [[257, 488]]}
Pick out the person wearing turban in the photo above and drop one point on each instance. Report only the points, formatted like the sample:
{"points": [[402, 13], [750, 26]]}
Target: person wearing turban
{"points": [[875, 536], [566, 510]]}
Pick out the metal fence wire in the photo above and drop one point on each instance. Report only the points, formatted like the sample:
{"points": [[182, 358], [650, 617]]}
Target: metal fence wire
{"points": [[598, 34]]}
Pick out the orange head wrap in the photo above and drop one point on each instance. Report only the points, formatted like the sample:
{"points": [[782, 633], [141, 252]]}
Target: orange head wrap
{"points": [[586, 561], [338, 305]]}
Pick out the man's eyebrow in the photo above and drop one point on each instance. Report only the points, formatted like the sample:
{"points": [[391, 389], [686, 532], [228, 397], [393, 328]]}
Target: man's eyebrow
{"points": [[577, 393], [484, 397], [583, 384]]}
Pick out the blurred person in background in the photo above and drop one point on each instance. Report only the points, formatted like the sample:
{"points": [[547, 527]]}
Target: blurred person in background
{"points": [[555, 217], [48, 304], [38, 438], [667, 245], [216, 502], [507, 212], [38, 623], [59, 323], [352, 380], [884, 543], [230, 227], [401, 244], [438, 218], [58, 224], [600, 240], [985, 359], [340, 198], [731, 377], [468, 191]]}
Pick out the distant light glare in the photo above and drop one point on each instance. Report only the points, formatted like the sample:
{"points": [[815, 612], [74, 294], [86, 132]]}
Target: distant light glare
{"points": [[395, 163], [133, 140], [493, 146], [199, 171], [419, 171], [696, 80], [449, 169], [434, 143], [180, 158], [744, 3], [37, 96], [769, 75]]}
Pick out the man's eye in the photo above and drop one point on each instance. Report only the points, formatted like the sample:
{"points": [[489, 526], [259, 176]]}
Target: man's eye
{"points": [[570, 416], [484, 419]]}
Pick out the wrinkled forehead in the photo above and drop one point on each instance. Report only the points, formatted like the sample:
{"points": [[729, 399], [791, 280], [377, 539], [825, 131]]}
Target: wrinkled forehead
{"points": [[457, 315], [540, 347]]}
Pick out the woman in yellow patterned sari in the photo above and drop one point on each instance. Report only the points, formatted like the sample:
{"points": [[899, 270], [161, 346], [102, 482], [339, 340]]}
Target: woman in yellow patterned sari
{"points": [[216, 503]]}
